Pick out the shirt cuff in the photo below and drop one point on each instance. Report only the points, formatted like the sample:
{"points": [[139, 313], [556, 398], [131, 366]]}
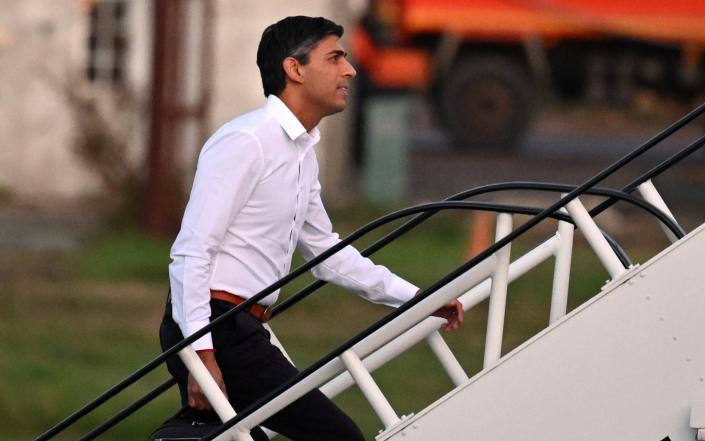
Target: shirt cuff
{"points": [[401, 289], [205, 342]]}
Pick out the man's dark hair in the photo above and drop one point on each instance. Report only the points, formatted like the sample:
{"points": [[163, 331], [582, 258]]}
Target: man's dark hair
{"points": [[291, 37]]}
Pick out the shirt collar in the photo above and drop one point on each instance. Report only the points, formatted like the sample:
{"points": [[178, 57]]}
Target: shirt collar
{"points": [[291, 125]]}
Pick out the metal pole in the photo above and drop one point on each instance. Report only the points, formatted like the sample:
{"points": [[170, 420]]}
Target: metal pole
{"points": [[275, 341], [451, 365], [498, 296], [384, 354], [561, 272], [210, 388], [180, 92], [163, 197], [596, 240], [648, 191], [369, 388]]}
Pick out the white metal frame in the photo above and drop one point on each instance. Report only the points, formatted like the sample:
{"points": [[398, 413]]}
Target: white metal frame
{"points": [[498, 294], [648, 191], [489, 278]]}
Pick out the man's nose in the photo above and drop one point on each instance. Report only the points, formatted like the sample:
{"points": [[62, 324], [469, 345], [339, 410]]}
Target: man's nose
{"points": [[349, 70]]}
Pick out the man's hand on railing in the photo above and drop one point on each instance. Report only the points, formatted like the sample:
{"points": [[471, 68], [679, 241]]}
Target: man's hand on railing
{"points": [[196, 398], [453, 312]]}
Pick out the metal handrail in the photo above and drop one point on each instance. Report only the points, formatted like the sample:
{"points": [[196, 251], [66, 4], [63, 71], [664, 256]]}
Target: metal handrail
{"points": [[547, 212], [543, 214], [657, 170], [245, 305], [476, 191], [490, 188], [434, 207]]}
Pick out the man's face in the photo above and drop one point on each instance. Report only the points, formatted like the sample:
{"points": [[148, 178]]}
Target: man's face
{"points": [[327, 76]]}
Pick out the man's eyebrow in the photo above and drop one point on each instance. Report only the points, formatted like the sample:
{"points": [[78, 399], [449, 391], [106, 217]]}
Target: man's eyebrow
{"points": [[339, 52]]}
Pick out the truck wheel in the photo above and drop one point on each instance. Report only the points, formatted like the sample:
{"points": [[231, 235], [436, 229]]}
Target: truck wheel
{"points": [[486, 102]]}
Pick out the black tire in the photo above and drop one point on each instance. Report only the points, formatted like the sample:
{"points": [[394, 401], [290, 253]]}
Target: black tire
{"points": [[486, 102]]}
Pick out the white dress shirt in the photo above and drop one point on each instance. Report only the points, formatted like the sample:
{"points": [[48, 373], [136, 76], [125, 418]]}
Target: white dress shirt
{"points": [[255, 197]]}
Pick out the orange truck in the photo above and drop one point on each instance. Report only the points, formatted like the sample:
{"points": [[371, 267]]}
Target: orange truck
{"points": [[483, 61]]}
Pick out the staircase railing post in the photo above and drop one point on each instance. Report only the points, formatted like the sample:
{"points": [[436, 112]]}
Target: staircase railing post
{"points": [[215, 396], [561, 272], [369, 388], [595, 238], [445, 356], [498, 295], [648, 191]]}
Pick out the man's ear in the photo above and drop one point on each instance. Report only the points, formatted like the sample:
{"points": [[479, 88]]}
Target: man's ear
{"points": [[292, 69]]}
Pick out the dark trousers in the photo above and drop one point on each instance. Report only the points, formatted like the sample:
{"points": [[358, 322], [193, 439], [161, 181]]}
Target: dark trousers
{"points": [[252, 367]]}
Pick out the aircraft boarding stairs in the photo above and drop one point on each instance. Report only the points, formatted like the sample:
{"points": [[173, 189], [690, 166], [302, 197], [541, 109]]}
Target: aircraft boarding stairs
{"points": [[628, 364]]}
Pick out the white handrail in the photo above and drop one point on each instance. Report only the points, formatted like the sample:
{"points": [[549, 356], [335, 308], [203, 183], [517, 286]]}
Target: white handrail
{"points": [[488, 278], [385, 354], [469, 300], [380, 337], [453, 290], [470, 297]]}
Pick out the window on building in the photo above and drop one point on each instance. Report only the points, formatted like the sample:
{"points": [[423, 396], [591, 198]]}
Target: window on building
{"points": [[107, 40]]}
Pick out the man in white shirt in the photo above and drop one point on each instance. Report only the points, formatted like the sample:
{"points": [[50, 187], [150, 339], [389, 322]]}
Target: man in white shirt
{"points": [[255, 198]]}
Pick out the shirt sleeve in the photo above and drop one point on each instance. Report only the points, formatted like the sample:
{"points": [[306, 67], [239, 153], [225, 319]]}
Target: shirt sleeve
{"points": [[228, 170], [348, 268]]}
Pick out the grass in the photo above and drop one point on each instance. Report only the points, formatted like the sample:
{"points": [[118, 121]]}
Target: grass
{"points": [[125, 255], [69, 335], [63, 343]]}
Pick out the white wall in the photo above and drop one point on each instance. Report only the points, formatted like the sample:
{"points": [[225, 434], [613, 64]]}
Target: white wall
{"points": [[43, 45], [42, 51], [36, 48]]}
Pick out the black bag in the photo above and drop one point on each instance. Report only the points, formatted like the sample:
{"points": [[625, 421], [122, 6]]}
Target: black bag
{"points": [[192, 425], [187, 425]]}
